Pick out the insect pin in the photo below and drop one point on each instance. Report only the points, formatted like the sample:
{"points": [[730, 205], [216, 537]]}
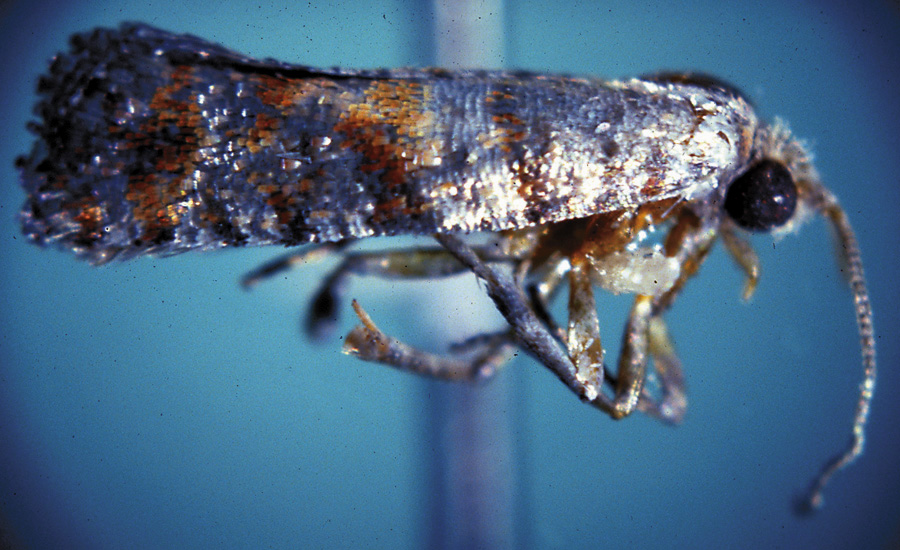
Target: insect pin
{"points": [[156, 143]]}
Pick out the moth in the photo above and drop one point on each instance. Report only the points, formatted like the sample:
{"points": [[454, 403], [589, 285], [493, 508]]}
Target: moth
{"points": [[156, 143]]}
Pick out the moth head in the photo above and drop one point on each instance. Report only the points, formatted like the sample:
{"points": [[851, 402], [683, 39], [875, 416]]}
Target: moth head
{"points": [[779, 189], [777, 192]]}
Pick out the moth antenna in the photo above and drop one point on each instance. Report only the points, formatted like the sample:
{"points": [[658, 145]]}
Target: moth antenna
{"points": [[853, 262]]}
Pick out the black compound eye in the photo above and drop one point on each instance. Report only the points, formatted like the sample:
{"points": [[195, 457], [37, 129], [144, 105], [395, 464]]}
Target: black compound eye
{"points": [[762, 198]]}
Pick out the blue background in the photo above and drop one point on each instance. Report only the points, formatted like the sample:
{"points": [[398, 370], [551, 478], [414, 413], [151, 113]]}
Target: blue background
{"points": [[154, 404]]}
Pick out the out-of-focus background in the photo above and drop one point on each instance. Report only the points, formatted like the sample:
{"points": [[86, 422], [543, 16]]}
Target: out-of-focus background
{"points": [[154, 404]]}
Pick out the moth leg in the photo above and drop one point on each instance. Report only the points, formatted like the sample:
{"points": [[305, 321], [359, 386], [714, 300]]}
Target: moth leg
{"points": [[583, 334], [646, 334], [528, 330], [633, 359], [290, 261], [483, 339], [744, 256], [585, 348], [367, 342], [414, 263], [417, 263], [541, 292], [671, 408]]}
